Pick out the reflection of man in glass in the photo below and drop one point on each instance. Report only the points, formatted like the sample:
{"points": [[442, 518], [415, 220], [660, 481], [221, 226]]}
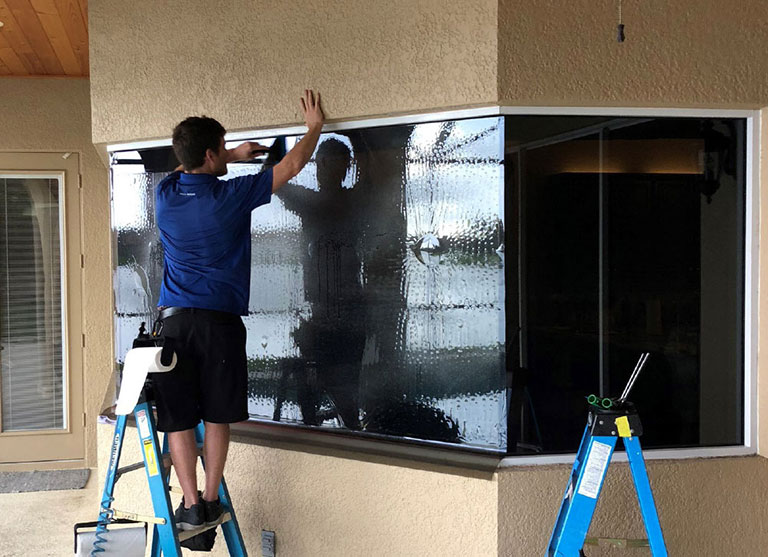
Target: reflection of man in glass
{"points": [[331, 341]]}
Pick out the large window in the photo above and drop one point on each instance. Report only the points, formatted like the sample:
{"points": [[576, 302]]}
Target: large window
{"points": [[469, 282]]}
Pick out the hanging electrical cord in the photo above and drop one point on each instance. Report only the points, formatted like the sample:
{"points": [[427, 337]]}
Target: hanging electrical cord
{"points": [[620, 35]]}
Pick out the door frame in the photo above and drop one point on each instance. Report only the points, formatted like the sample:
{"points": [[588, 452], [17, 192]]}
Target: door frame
{"points": [[57, 448]]}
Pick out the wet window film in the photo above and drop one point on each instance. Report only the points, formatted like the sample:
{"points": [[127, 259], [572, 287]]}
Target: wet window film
{"points": [[377, 282], [470, 282]]}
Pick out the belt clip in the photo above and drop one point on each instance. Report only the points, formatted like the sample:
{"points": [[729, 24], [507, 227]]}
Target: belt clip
{"points": [[157, 328]]}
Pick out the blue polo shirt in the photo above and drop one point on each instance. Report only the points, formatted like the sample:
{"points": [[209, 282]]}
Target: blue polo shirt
{"points": [[205, 230]]}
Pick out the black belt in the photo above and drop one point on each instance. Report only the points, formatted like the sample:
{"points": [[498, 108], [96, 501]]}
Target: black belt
{"points": [[165, 313]]}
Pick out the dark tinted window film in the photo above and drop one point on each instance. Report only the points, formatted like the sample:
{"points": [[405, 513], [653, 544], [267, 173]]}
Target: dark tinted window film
{"points": [[632, 242]]}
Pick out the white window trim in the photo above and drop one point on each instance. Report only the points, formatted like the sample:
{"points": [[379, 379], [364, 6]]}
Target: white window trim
{"points": [[751, 243]]}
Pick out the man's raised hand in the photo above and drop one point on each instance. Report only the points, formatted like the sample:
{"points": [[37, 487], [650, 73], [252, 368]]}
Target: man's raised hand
{"points": [[310, 107]]}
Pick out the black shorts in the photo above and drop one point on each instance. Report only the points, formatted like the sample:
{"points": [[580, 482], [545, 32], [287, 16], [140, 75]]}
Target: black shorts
{"points": [[210, 380]]}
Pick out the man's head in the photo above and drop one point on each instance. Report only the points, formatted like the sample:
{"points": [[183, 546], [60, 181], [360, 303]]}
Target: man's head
{"points": [[198, 143], [333, 160]]}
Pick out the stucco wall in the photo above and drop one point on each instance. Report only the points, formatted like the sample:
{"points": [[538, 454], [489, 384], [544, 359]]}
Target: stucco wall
{"points": [[326, 504], [154, 63], [706, 53], [706, 507], [54, 115]]}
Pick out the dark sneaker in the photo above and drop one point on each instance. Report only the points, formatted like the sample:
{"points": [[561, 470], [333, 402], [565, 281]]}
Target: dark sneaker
{"points": [[212, 511], [191, 518], [201, 542]]}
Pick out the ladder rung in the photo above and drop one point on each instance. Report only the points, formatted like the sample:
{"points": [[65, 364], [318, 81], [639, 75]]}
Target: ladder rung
{"points": [[137, 517], [616, 542], [139, 465], [167, 463], [186, 534]]}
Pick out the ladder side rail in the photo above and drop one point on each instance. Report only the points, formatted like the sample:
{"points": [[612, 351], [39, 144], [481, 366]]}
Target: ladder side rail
{"points": [[645, 496], [578, 515], [231, 528], [108, 494], [114, 459], [155, 552], [569, 490], [166, 534]]}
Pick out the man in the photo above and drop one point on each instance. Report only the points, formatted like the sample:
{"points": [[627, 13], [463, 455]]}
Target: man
{"points": [[204, 225]]}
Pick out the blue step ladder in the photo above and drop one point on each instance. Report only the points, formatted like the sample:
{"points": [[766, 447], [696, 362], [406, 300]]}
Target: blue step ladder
{"points": [[608, 420], [157, 463]]}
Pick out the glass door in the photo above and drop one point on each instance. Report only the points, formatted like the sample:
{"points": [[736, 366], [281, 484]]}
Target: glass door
{"points": [[40, 389]]}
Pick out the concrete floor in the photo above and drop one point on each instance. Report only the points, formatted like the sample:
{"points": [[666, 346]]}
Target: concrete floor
{"points": [[41, 523]]}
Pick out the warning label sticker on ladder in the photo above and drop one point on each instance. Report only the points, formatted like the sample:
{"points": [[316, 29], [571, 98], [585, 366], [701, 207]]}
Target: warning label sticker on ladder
{"points": [[594, 470], [141, 421], [149, 457]]}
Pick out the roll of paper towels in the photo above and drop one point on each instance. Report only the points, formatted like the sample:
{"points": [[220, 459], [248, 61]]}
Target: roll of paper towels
{"points": [[138, 363]]}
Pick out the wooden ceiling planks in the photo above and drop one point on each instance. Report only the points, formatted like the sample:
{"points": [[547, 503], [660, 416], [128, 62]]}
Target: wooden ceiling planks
{"points": [[10, 58], [18, 41], [84, 12], [44, 38], [30, 25], [51, 23], [76, 30]]}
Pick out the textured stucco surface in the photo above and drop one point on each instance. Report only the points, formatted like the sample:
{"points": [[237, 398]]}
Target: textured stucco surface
{"points": [[330, 505], [54, 115], [707, 507], [705, 53], [154, 63]]}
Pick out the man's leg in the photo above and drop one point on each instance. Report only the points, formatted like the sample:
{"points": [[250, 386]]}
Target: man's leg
{"points": [[184, 455], [215, 454]]}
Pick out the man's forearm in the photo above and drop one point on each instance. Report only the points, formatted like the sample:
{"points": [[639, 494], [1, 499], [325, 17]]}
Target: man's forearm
{"points": [[299, 156]]}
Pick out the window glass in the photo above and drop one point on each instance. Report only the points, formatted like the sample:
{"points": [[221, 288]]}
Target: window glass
{"points": [[377, 283], [32, 378], [633, 242], [470, 282]]}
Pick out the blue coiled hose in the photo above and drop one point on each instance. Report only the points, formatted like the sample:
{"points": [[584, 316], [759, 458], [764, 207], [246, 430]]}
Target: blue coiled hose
{"points": [[105, 519]]}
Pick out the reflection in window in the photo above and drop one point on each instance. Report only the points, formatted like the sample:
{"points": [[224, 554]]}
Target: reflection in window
{"points": [[471, 281], [377, 287]]}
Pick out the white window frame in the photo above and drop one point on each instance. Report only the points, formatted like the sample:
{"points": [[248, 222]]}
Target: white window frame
{"points": [[751, 247]]}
